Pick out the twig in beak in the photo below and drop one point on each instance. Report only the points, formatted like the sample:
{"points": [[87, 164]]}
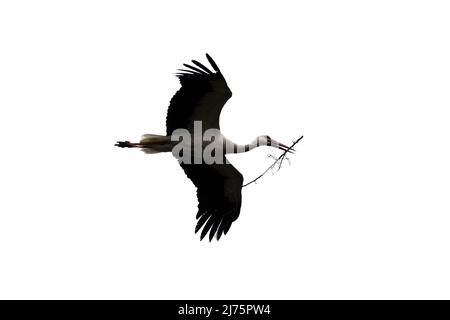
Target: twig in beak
{"points": [[278, 160]]}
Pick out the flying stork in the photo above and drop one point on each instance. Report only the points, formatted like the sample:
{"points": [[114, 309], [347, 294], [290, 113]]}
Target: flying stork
{"points": [[202, 95]]}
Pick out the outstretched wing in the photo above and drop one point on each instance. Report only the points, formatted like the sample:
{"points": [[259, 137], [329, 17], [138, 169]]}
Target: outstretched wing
{"points": [[219, 196], [202, 95]]}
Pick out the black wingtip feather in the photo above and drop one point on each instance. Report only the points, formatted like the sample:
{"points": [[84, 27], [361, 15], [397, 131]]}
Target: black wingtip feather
{"points": [[201, 222], [187, 71], [212, 63], [194, 68], [206, 228], [225, 230], [213, 230], [201, 66]]}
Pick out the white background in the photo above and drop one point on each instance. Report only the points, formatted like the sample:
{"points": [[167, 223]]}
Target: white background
{"points": [[361, 212]]}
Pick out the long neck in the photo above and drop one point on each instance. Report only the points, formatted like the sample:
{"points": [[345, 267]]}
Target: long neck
{"points": [[240, 148]]}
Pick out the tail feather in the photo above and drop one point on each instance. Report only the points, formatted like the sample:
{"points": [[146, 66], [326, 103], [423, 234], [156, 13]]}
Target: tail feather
{"points": [[152, 143], [149, 143]]}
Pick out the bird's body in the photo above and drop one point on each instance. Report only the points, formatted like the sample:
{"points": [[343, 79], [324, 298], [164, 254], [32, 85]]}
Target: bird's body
{"points": [[193, 114]]}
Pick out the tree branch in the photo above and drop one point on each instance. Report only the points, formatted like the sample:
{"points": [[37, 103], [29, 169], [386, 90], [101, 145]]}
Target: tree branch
{"points": [[278, 161]]}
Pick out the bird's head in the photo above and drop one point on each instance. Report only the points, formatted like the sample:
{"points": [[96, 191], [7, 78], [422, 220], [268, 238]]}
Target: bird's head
{"points": [[265, 140]]}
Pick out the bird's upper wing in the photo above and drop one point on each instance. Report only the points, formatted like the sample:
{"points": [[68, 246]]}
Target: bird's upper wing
{"points": [[201, 97], [219, 196]]}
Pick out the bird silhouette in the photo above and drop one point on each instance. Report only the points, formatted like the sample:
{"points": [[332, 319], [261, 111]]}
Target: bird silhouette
{"points": [[200, 99]]}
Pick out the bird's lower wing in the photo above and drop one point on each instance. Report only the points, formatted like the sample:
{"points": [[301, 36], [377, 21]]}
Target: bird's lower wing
{"points": [[219, 196]]}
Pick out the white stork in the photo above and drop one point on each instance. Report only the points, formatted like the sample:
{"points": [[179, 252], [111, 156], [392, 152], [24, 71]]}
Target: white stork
{"points": [[202, 95]]}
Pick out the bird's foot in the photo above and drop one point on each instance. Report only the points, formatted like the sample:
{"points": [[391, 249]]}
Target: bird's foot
{"points": [[123, 144]]}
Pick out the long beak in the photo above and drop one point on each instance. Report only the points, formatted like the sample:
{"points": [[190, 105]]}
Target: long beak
{"points": [[281, 146]]}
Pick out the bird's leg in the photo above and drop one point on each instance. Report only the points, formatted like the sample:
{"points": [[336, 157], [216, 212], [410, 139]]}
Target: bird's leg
{"points": [[127, 144]]}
